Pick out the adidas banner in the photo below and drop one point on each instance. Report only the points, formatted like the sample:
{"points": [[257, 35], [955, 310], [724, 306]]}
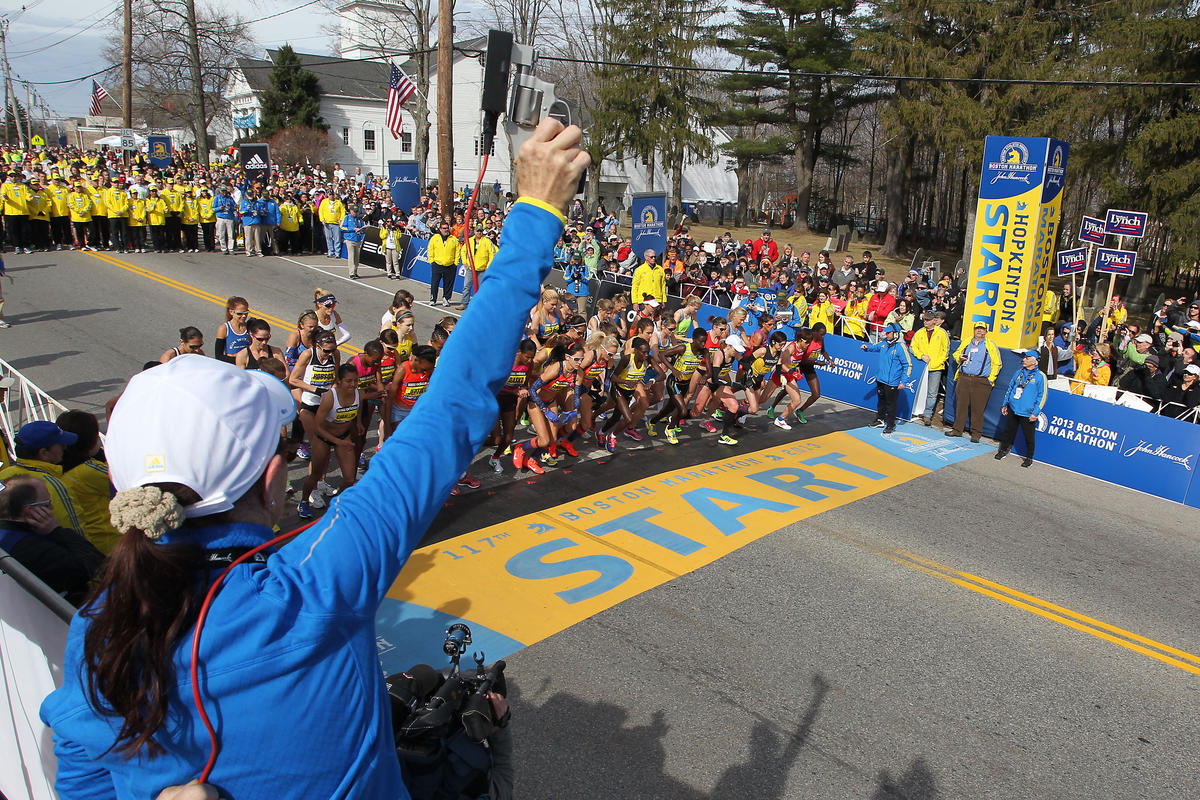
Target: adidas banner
{"points": [[256, 162]]}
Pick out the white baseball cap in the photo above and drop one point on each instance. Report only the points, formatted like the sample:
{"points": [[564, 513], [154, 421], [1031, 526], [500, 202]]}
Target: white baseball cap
{"points": [[1145, 338], [736, 343], [882, 286], [200, 422], [1193, 369]]}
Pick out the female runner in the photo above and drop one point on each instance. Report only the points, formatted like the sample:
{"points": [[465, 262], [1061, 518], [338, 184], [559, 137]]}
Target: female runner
{"points": [[628, 392], [406, 340], [720, 379], [764, 367], [620, 314], [401, 301], [387, 373], [544, 319], [800, 361], [604, 313], [328, 319], [370, 389], [191, 340], [719, 331], [259, 347], [299, 340], [601, 351], [336, 426], [232, 337], [411, 381], [554, 410], [512, 398], [684, 367], [314, 372], [685, 317]]}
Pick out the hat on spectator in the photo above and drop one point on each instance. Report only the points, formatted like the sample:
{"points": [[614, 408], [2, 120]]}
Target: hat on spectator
{"points": [[1193, 369], [36, 435], [1029, 354], [1152, 359], [651, 302], [981, 324], [929, 315], [234, 417], [881, 286], [1145, 338], [733, 341], [1194, 325]]}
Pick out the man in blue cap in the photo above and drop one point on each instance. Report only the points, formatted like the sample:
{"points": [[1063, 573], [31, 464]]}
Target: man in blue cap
{"points": [[39, 449], [895, 365], [1023, 402]]}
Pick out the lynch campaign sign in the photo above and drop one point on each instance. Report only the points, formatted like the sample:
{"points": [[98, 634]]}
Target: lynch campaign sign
{"points": [[1072, 261], [1091, 230], [1115, 262], [1016, 219], [1125, 223]]}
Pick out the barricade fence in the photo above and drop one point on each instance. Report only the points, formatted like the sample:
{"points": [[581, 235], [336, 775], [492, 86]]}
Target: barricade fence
{"points": [[23, 402]]}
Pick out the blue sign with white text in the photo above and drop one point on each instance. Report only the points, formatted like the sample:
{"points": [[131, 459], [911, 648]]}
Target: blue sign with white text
{"points": [[1091, 230], [1072, 261], [404, 181], [1125, 223], [649, 221], [1115, 262]]}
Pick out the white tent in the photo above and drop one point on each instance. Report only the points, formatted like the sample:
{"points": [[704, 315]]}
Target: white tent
{"points": [[115, 141]]}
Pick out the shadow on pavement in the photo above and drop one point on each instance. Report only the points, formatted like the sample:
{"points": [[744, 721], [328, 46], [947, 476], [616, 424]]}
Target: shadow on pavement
{"points": [[608, 759], [49, 315], [42, 359], [916, 783]]}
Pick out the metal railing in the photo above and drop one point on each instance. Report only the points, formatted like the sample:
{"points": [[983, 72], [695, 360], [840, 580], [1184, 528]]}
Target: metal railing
{"points": [[23, 402]]}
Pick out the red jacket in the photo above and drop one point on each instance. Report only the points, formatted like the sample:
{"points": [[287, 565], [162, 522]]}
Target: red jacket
{"points": [[761, 248], [879, 306]]}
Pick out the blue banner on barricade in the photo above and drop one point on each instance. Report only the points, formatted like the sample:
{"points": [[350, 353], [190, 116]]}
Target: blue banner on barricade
{"points": [[649, 222], [416, 264], [1125, 446], [404, 182], [851, 377]]}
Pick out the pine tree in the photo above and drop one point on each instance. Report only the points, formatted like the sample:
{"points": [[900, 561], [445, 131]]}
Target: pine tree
{"points": [[294, 99]]}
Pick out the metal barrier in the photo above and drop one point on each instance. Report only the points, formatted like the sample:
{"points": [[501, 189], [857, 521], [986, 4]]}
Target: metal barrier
{"points": [[24, 402]]}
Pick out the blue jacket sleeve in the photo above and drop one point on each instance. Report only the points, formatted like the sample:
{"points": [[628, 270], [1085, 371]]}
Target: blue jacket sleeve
{"points": [[1012, 384], [347, 561]]}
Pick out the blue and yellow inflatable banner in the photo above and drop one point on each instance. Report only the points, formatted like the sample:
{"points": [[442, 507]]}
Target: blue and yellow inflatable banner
{"points": [[1016, 221]]}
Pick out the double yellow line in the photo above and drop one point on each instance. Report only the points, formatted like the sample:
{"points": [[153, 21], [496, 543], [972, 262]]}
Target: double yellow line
{"points": [[142, 272], [1063, 616]]}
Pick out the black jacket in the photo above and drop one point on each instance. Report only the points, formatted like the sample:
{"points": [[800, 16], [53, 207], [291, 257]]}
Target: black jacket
{"points": [[62, 559]]}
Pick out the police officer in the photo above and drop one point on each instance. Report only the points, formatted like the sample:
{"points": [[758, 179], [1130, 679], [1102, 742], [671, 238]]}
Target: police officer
{"points": [[1023, 402]]}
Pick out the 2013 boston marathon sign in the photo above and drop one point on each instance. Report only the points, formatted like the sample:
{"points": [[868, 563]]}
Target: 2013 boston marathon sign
{"points": [[1016, 222]]}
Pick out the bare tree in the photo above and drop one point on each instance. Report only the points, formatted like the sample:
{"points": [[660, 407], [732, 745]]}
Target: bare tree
{"points": [[179, 68], [397, 29], [525, 19]]}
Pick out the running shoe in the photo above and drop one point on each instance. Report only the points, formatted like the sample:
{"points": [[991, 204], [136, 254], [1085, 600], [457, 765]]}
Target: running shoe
{"points": [[518, 457], [708, 426], [630, 433], [469, 482], [508, 450], [549, 460], [610, 444], [800, 416], [303, 511], [316, 499], [525, 421], [781, 423], [325, 489], [727, 439], [650, 430], [4, 324], [569, 448], [302, 452], [599, 437], [494, 463], [534, 467], [719, 414], [771, 412], [671, 437], [362, 460], [877, 424]]}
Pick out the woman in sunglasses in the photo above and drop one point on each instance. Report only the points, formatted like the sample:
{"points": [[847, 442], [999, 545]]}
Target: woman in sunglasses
{"points": [[299, 340], [191, 340], [512, 399], [554, 410], [336, 427], [259, 347], [328, 319], [232, 336], [314, 372]]}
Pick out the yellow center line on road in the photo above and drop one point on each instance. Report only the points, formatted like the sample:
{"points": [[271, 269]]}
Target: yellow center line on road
{"points": [[200, 293], [1047, 610]]}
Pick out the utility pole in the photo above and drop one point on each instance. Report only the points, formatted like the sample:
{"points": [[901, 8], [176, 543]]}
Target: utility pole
{"points": [[28, 113], [200, 118], [10, 96], [445, 101], [127, 68]]}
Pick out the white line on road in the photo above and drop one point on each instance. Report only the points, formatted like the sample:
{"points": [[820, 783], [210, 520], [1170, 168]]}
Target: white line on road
{"points": [[314, 268]]}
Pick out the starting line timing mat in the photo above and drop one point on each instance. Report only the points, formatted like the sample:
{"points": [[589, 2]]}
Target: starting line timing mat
{"points": [[530, 577]]}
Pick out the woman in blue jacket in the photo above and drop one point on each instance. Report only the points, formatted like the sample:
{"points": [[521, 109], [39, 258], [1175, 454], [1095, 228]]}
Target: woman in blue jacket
{"points": [[1024, 400], [895, 366], [288, 667]]}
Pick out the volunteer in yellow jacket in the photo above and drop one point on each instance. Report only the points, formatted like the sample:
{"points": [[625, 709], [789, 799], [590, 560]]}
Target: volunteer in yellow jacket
{"points": [[15, 196], [60, 212], [289, 226], [978, 361], [931, 344], [39, 448], [156, 216], [649, 279], [330, 212], [39, 214], [116, 201], [79, 200], [481, 249], [208, 219], [100, 227], [443, 261], [138, 224]]}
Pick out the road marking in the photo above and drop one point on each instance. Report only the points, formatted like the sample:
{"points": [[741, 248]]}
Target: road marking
{"points": [[316, 268], [200, 293], [1047, 610]]}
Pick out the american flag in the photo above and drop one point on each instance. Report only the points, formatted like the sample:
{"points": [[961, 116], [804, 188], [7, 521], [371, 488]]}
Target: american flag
{"points": [[98, 94], [400, 88]]}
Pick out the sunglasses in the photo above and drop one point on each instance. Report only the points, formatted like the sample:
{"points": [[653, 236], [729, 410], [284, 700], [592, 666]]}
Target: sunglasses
{"points": [[328, 303], [266, 338], [241, 313]]}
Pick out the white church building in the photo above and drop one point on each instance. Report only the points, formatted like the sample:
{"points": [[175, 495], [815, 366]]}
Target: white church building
{"points": [[353, 88]]}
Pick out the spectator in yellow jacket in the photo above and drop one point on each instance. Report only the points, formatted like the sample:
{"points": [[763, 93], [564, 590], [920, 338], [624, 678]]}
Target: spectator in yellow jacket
{"points": [[931, 344], [331, 212], [649, 279], [86, 479], [116, 202], [39, 214], [39, 448], [100, 226], [14, 195], [443, 260], [60, 213], [79, 200], [137, 224], [479, 248], [978, 361]]}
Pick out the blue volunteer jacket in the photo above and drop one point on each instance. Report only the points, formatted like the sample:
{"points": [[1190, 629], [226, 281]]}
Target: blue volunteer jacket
{"points": [[1032, 384], [895, 362], [250, 212], [271, 214], [224, 207], [291, 676]]}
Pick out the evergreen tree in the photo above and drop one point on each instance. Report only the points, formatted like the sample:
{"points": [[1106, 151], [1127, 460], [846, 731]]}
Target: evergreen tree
{"points": [[294, 99]]}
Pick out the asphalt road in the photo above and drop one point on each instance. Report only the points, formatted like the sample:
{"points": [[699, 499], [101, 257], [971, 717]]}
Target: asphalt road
{"points": [[878, 650]]}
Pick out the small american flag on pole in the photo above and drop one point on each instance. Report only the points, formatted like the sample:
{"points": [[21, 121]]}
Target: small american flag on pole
{"points": [[400, 88], [98, 94]]}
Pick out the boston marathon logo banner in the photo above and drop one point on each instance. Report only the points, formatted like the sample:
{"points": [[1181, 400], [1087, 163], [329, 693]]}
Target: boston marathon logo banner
{"points": [[649, 213], [1016, 222]]}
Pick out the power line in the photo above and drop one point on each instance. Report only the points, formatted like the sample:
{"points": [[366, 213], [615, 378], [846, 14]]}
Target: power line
{"points": [[281, 13], [62, 28], [42, 49]]}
